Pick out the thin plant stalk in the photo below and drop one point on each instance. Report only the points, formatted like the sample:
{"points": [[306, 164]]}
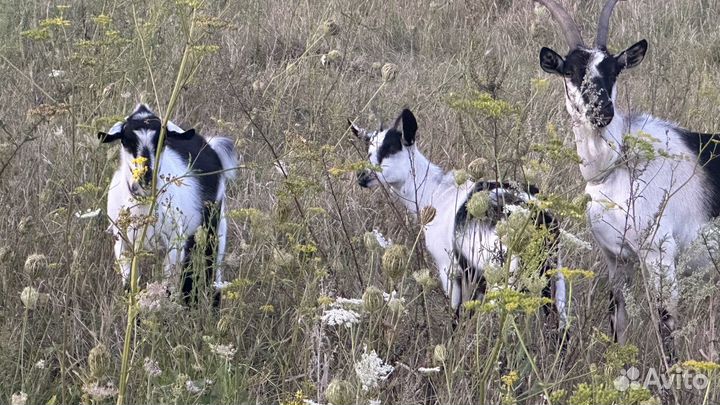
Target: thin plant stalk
{"points": [[132, 307]]}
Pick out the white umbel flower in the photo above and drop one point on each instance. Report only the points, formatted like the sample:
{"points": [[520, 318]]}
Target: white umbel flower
{"points": [[371, 370], [151, 367], [340, 316], [225, 351]]}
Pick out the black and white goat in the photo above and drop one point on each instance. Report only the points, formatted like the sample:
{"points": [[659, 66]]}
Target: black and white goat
{"points": [[645, 208], [191, 181], [461, 246]]}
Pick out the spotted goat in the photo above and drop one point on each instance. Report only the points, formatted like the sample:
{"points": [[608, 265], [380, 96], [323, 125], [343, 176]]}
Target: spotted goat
{"points": [[645, 207], [192, 174], [462, 246]]}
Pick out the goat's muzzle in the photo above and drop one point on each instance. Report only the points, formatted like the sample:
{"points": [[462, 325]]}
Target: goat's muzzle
{"points": [[601, 116], [366, 178]]}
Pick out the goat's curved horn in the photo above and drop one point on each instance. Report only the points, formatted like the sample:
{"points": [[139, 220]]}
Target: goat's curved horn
{"points": [[604, 24], [567, 24]]}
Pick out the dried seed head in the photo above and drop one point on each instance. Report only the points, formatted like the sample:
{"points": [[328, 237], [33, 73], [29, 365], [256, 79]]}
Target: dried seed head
{"points": [[330, 28], [440, 354], [393, 261], [340, 392], [461, 177], [479, 204], [373, 299], [98, 361], [476, 168], [389, 72], [31, 298], [425, 279], [427, 214], [35, 263]]}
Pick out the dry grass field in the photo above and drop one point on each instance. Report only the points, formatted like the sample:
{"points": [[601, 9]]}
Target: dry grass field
{"points": [[281, 78]]}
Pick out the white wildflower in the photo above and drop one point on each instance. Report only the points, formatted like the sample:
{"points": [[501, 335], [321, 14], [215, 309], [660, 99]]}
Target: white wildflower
{"points": [[310, 402], [151, 367], [209, 381], [374, 402], [29, 297], [371, 369], [89, 213], [384, 243], [155, 298], [574, 240], [125, 94], [56, 73], [221, 285], [340, 316], [41, 364], [18, 399], [100, 392], [347, 302], [192, 387], [225, 351], [429, 370]]}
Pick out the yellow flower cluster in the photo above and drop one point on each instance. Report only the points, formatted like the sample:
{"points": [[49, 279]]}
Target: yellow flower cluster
{"points": [[140, 168]]}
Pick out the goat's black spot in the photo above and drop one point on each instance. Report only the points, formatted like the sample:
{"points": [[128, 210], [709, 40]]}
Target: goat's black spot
{"points": [[707, 149], [392, 144], [497, 212]]}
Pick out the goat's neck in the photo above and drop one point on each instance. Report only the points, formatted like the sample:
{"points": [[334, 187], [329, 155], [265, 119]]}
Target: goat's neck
{"points": [[600, 149], [425, 180]]}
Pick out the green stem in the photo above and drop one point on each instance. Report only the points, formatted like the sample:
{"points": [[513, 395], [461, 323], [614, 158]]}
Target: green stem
{"points": [[132, 308], [530, 359]]}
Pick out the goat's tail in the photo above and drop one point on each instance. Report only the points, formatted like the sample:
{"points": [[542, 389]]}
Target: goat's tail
{"points": [[229, 158]]}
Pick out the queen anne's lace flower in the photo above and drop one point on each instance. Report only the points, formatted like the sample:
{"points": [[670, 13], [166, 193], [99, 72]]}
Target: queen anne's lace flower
{"points": [[19, 399], [100, 392], [340, 316], [371, 369], [225, 351], [151, 367]]}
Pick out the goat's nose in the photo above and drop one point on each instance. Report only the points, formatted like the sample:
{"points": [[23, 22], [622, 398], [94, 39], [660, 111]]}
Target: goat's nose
{"points": [[363, 178], [604, 114]]}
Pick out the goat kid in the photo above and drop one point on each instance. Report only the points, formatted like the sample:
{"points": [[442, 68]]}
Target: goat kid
{"points": [[461, 246], [192, 175], [647, 206]]}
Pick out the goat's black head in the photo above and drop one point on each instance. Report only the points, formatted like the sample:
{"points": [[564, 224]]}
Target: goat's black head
{"points": [[385, 149], [590, 74], [139, 135]]}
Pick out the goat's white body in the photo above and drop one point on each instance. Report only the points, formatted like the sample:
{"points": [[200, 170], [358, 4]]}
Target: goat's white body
{"points": [[178, 211], [641, 209], [429, 186]]}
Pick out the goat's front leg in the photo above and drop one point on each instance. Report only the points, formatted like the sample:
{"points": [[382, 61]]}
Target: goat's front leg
{"points": [[618, 271], [660, 262], [123, 261]]}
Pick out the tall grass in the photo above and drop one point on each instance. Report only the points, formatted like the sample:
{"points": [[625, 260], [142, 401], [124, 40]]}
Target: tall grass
{"points": [[281, 78]]}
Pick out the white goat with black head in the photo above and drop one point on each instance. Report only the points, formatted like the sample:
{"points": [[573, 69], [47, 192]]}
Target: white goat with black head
{"points": [[647, 207], [461, 246], [191, 181]]}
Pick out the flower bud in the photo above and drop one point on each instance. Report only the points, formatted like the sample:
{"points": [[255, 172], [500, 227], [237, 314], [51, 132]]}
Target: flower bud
{"points": [[427, 214], [373, 299], [389, 72], [479, 204], [330, 28], [98, 360], [440, 354], [461, 177], [340, 392], [476, 168], [393, 261], [30, 297]]}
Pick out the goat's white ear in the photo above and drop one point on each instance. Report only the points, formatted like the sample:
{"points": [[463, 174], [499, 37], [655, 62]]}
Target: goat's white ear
{"points": [[409, 126]]}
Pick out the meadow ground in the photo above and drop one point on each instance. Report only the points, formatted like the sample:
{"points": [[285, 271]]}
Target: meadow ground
{"points": [[281, 78]]}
